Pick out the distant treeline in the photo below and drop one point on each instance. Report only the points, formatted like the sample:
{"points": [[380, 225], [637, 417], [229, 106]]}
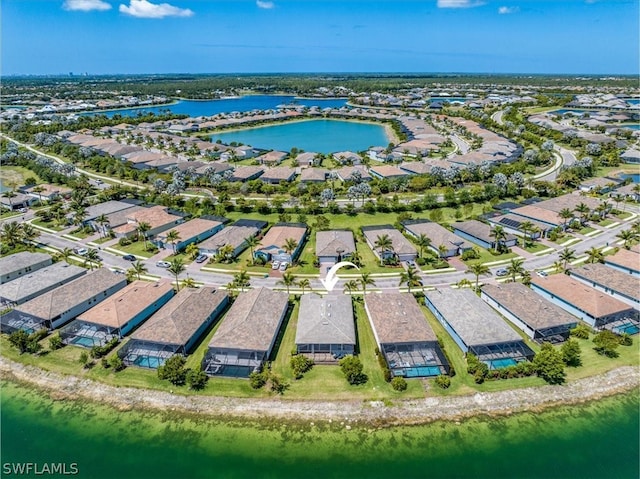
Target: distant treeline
{"points": [[212, 86]]}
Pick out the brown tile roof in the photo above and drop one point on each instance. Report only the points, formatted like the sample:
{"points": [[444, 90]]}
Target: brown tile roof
{"points": [[191, 228], [231, 235], [537, 213], [593, 302], [252, 322], [387, 171], [126, 304], [610, 278], [439, 235], [278, 235], [182, 316], [327, 242], [531, 308], [397, 318], [156, 216], [625, 258]]}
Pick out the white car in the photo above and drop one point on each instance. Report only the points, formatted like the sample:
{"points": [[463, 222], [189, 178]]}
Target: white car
{"points": [[283, 266], [80, 251], [542, 274], [502, 272], [275, 265], [163, 264]]}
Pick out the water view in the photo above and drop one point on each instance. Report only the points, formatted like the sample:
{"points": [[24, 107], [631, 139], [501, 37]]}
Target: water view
{"points": [[106, 444], [321, 136], [635, 177], [195, 108]]}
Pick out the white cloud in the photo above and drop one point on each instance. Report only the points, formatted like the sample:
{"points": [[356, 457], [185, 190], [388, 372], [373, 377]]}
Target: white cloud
{"points": [[86, 5], [507, 10], [146, 9], [265, 5], [459, 3]]}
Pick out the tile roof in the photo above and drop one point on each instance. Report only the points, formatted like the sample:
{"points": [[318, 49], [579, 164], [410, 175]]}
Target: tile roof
{"points": [[325, 320], [155, 216], [609, 278], [439, 235], [479, 230], [191, 228], [397, 318], [401, 245], [625, 258], [328, 242], [279, 234], [252, 322], [40, 280], [178, 320], [231, 235], [24, 259], [126, 304]]}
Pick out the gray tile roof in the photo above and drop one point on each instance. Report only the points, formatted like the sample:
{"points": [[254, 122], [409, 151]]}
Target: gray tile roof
{"points": [[328, 242], [471, 318], [108, 207], [252, 322], [439, 235], [39, 281], [401, 245], [479, 230], [178, 320], [531, 308], [54, 303], [231, 235], [610, 278], [325, 320], [397, 318], [19, 261]]}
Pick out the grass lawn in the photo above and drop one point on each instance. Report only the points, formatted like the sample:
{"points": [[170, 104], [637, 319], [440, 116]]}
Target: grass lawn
{"points": [[606, 222], [487, 257], [102, 240], [47, 224], [17, 175], [534, 247], [594, 363], [136, 248], [587, 229], [81, 233], [622, 215]]}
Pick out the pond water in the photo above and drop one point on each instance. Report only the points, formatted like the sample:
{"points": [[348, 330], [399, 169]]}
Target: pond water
{"points": [[597, 440]]}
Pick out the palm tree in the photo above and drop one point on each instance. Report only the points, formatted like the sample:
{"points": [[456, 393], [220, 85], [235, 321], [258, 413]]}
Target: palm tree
{"points": [[176, 268], [557, 266], [192, 250], [566, 214], [603, 209], [142, 229], [65, 254], [627, 236], [351, 286], [92, 258], [288, 280], [442, 250], [478, 269], [526, 278], [499, 234], [290, 246], [38, 189], [411, 277], [102, 220], [189, 282], [366, 280], [241, 280], [173, 237], [584, 212], [594, 255], [423, 242], [383, 243], [28, 234], [463, 283], [304, 284], [515, 268], [225, 253], [138, 268], [252, 242], [526, 227], [567, 255]]}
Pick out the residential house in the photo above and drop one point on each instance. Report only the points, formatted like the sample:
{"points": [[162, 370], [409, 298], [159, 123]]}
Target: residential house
{"points": [[615, 283], [235, 235], [18, 264], [480, 233], [388, 172], [334, 246], [443, 242], [278, 174], [157, 217], [401, 246], [624, 260], [271, 247], [192, 231]]}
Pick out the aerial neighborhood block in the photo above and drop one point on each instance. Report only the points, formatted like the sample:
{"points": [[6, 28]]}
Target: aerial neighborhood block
{"points": [[476, 328], [401, 247], [18, 264], [540, 319], [57, 307], [334, 246], [157, 217], [38, 282], [594, 307], [247, 334], [175, 328], [409, 345], [117, 315], [615, 283], [272, 245], [453, 245], [326, 330]]}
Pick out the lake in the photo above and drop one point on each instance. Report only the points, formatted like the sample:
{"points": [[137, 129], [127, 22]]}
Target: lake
{"points": [[320, 136], [597, 440], [195, 108]]}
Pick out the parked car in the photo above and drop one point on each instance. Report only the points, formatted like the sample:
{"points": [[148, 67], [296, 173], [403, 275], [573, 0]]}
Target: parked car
{"points": [[23, 210], [283, 266], [275, 265], [163, 264], [129, 257], [542, 274], [80, 251], [502, 272], [201, 258], [117, 270]]}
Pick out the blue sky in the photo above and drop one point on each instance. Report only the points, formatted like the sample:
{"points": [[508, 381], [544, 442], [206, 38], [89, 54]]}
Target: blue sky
{"points": [[246, 36]]}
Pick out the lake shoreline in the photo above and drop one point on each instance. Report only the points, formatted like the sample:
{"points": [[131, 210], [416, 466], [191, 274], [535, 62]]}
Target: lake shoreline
{"points": [[375, 413]]}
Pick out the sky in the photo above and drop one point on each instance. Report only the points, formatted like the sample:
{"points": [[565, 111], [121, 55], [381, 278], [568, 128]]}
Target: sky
{"points": [[294, 36]]}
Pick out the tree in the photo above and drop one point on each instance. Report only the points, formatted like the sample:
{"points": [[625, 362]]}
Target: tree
{"points": [[499, 234], [322, 223], [241, 280], [55, 342], [290, 246], [567, 255], [288, 280], [192, 250], [410, 277], [478, 269], [92, 258], [173, 237], [399, 384], [606, 343], [557, 266], [526, 227], [627, 237], [102, 220], [84, 359], [196, 379], [423, 242], [594, 255], [189, 282], [138, 268], [300, 364], [251, 242], [351, 286], [11, 233], [351, 367], [383, 243], [515, 268], [366, 280], [143, 228], [571, 353], [20, 340], [173, 370], [176, 268], [304, 284], [549, 364], [584, 212], [566, 214], [65, 254]]}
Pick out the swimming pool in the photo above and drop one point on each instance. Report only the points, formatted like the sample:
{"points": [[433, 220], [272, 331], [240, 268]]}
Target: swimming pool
{"points": [[501, 363], [82, 341], [627, 329]]}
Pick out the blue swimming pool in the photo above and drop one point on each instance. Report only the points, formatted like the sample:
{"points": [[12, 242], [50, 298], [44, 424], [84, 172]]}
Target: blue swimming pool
{"points": [[418, 372], [501, 363], [627, 328], [82, 341], [148, 362]]}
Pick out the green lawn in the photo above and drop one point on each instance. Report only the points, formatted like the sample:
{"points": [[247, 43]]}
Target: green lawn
{"points": [[17, 175], [47, 224], [587, 229], [136, 248], [487, 257], [534, 247]]}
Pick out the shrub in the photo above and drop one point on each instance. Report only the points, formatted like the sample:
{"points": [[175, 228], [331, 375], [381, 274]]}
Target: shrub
{"points": [[571, 353], [84, 359], [124, 241], [581, 331], [173, 370], [606, 343], [55, 342], [626, 340], [352, 369], [443, 381], [386, 372], [116, 363], [99, 351], [470, 254], [276, 383], [257, 380], [300, 364], [197, 379], [19, 339], [549, 364], [399, 384]]}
